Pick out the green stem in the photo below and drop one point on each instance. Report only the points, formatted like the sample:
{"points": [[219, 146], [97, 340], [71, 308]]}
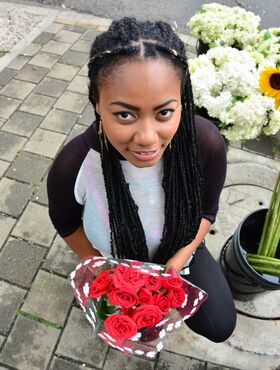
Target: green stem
{"points": [[272, 217]]}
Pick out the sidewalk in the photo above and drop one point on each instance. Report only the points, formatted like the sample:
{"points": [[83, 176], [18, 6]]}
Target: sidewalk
{"points": [[43, 104]]}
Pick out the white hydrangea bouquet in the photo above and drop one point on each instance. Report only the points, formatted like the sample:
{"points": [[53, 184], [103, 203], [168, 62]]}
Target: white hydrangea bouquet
{"points": [[228, 83], [220, 25], [265, 45]]}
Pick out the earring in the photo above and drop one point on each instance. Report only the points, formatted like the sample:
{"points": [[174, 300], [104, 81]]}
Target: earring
{"points": [[170, 145], [102, 137]]}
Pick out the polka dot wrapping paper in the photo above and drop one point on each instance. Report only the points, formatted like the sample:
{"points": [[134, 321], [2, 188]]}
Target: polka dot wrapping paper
{"points": [[133, 305]]}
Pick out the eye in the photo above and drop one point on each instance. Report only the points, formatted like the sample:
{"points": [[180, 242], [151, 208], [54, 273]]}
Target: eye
{"points": [[124, 116], [165, 113]]}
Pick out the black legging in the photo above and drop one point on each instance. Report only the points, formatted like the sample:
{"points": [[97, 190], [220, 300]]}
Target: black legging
{"points": [[216, 317]]}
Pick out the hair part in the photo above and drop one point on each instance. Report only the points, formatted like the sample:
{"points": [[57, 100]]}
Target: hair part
{"points": [[127, 40]]}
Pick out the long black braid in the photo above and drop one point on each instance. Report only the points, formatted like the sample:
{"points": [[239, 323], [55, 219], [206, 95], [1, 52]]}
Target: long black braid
{"points": [[182, 179]]}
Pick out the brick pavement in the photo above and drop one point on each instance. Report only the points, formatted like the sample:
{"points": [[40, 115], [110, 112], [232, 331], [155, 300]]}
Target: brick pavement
{"points": [[43, 104]]}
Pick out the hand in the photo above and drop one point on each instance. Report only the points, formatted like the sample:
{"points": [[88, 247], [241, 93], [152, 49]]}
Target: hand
{"points": [[175, 264]]}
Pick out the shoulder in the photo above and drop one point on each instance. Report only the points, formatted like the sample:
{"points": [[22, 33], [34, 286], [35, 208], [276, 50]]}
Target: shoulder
{"points": [[210, 142]]}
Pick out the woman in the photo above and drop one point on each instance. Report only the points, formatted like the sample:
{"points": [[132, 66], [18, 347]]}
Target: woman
{"points": [[143, 182]]}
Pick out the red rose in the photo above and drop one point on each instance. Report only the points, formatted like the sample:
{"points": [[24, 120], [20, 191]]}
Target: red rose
{"points": [[153, 282], [145, 296], [162, 302], [120, 326], [128, 278], [100, 284], [146, 315], [176, 296], [122, 298], [172, 281]]}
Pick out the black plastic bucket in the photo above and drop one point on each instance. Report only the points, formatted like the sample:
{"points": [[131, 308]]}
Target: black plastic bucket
{"points": [[242, 278]]}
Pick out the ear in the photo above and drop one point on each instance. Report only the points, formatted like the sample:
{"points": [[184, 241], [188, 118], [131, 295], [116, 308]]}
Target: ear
{"points": [[97, 108]]}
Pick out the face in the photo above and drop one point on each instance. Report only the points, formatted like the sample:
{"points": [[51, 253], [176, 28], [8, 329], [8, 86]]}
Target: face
{"points": [[140, 107]]}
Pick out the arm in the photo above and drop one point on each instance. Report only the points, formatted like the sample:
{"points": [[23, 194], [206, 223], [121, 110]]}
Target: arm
{"points": [[180, 258], [80, 244]]}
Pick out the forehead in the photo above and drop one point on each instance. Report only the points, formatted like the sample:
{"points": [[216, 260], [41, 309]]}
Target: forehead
{"points": [[148, 80]]}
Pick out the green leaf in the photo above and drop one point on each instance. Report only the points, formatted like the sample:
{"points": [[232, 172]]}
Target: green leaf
{"points": [[212, 45], [267, 35], [278, 63]]}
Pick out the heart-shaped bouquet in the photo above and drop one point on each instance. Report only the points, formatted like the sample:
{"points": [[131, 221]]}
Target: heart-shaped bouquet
{"points": [[132, 305]]}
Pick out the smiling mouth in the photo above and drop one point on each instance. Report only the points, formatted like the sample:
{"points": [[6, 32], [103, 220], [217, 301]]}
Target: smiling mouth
{"points": [[145, 155]]}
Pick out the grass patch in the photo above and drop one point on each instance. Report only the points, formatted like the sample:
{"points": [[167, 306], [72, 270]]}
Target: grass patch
{"points": [[38, 319]]}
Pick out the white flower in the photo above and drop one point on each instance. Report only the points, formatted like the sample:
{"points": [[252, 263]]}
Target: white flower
{"points": [[162, 322], [151, 354], [98, 263], [162, 333], [274, 123], [195, 302], [200, 295], [223, 25], [87, 262], [185, 301], [73, 274]]}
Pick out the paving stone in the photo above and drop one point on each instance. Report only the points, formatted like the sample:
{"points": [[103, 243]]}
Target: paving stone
{"points": [[17, 89], [77, 130], [87, 116], [41, 195], [9, 145], [170, 361], [6, 225], [8, 106], [117, 360], [32, 73], [14, 196], [37, 104], [59, 293], [10, 300], [2, 121], [43, 38], [78, 343], [60, 121], [51, 86], [19, 261], [67, 36], [216, 367], [1, 341], [6, 75], [262, 145], [3, 167], [22, 123], [56, 47], [45, 142], [54, 27], [44, 60], [82, 46], [30, 345], [72, 102], [90, 35], [75, 58], [79, 84], [61, 259], [28, 167], [60, 364], [84, 70], [70, 27], [19, 62], [63, 71], [31, 50], [35, 225]]}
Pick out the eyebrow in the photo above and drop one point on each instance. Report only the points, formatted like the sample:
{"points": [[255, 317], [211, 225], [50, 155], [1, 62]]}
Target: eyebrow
{"points": [[133, 107]]}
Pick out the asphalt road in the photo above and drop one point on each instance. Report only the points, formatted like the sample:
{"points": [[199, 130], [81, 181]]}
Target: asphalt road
{"points": [[178, 11]]}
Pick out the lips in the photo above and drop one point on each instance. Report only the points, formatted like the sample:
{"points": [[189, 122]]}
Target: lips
{"points": [[145, 155]]}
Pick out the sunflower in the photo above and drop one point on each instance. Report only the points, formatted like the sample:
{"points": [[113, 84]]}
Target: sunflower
{"points": [[269, 83]]}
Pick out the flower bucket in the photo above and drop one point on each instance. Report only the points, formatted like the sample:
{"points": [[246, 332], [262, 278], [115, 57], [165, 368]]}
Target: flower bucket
{"points": [[242, 278]]}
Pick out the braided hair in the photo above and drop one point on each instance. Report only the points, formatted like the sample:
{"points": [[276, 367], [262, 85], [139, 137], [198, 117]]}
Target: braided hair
{"points": [[129, 39]]}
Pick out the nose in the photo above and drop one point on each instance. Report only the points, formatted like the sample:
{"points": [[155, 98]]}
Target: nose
{"points": [[146, 134]]}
